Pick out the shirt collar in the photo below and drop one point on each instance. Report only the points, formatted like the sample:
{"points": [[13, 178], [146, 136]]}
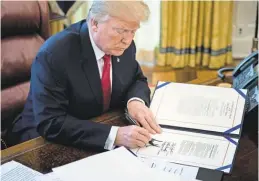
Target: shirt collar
{"points": [[98, 53]]}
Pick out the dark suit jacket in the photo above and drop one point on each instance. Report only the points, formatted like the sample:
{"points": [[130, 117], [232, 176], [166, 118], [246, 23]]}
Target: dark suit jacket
{"points": [[66, 90]]}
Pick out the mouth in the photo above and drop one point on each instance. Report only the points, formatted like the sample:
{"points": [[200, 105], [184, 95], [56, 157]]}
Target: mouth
{"points": [[120, 49]]}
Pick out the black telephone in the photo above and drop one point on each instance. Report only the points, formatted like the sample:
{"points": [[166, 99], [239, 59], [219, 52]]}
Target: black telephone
{"points": [[245, 76]]}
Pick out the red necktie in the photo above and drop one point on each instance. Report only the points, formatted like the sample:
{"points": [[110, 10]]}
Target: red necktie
{"points": [[106, 82]]}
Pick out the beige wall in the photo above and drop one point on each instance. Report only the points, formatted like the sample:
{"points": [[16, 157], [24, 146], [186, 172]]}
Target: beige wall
{"points": [[147, 37], [243, 27]]}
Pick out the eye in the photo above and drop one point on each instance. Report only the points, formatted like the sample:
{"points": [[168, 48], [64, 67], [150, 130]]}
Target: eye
{"points": [[133, 31], [120, 30]]}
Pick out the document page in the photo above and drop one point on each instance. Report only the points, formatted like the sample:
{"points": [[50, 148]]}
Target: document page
{"points": [[192, 149], [118, 164], [183, 171], [48, 177], [14, 171], [200, 107]]}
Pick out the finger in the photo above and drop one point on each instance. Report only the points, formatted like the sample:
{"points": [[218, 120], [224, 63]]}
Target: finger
{"points": [[145, 124], [140, 143], [152, 124], [150, 113], [144, 132], [142, 138], [132, 146]]}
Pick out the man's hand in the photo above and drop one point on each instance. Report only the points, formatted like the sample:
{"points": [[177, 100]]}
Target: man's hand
{"points": [[132, 137], [143, 115]]}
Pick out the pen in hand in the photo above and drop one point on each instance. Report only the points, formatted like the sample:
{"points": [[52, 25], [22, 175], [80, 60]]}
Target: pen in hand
{"points": [[134, 122]]}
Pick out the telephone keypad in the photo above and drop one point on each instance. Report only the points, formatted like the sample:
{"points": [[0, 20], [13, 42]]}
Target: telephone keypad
{"points": [[243, 77]]}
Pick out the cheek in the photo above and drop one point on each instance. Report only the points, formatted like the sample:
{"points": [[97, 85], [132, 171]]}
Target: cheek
{"points": [[113, 40], [104, 40]]}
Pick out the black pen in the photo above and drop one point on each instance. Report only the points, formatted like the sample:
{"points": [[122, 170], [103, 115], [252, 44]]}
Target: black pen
{"points": [[134, 122]]}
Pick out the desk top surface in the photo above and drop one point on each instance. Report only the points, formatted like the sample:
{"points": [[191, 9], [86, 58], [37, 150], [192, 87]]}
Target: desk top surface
{"points": [[43, 156]]}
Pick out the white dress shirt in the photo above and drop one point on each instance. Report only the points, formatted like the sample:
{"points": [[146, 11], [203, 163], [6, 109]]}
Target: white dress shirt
{"points": [[109, 144]]}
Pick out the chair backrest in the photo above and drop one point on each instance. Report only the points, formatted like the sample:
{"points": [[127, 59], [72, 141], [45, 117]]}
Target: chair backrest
{"points": [[24, 28]]}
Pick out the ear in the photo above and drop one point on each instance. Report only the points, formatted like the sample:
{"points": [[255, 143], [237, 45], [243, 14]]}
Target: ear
{"points": [[94, 25]]}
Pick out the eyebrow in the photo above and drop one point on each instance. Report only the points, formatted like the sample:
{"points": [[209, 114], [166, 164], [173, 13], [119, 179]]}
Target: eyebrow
{"points": [[123, 27], [131, 29]]}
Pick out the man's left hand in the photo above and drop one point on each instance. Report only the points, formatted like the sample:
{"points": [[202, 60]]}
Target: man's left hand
{"points": [[143, 115]]}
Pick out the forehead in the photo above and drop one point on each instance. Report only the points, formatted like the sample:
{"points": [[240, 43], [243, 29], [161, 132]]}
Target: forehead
{"points": [[123, 23]]}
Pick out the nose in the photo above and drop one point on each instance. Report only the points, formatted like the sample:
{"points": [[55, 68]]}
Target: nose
{"points": [[127, 39]]}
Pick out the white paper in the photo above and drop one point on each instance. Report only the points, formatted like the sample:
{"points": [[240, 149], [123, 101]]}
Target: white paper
{"points": [[183, 171], [118, 164], [198, 107], [14, 171], [48, 177], [190, 148]]}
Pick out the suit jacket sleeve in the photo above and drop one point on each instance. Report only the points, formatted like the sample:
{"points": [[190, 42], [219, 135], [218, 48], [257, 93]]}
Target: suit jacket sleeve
{"points": [[139, 88], [50, 103]]}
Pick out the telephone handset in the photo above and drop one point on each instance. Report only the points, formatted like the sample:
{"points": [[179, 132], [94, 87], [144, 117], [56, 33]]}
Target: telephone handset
{"points": [[246, 72], [245, 76], [243, 68], [251, 59]]}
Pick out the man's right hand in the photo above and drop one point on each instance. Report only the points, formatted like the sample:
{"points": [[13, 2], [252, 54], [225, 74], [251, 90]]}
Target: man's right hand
{"points": [[132, 137]]}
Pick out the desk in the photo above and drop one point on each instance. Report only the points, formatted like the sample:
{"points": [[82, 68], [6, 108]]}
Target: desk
{"points": [[43, 156]]}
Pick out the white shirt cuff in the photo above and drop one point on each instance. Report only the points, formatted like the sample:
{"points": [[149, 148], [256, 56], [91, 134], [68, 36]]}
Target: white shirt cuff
{"points": [[109, 144], [135, 99]]}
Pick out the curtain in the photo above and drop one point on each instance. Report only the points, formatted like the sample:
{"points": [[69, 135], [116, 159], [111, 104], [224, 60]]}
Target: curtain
{"points": [[195, 33], [73, 10]]}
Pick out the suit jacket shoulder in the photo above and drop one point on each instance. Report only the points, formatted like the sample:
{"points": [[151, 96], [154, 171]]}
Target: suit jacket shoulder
{"points": [[62, 47]]}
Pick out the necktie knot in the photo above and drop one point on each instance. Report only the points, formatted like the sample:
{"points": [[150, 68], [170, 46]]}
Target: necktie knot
{"points": [[106, 58]]}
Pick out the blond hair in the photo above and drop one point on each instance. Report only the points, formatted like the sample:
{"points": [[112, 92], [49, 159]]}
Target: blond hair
{"points": [[136, 11]]}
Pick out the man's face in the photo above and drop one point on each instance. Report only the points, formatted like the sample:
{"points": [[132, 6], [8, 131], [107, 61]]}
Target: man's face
{"points": [[114, 35]]}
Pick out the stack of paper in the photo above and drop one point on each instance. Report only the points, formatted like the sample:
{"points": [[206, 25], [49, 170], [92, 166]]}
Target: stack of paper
{"points": [[118, 164]]}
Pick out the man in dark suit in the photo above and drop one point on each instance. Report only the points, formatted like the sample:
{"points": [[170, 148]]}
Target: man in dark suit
{"points": [[83, 72]]}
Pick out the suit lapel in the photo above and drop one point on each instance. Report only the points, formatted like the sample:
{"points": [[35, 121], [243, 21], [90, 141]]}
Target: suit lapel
{"points": [[89, 64]]}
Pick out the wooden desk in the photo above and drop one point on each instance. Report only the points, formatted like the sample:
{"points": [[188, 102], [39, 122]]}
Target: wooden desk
{"points": [[43, 156]]}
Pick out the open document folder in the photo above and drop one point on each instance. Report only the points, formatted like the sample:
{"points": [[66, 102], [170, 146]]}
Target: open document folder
{"points": [[201, 124], [118, 164]]}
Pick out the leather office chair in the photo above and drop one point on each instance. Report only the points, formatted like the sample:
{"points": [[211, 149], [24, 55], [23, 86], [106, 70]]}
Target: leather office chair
{"points": [[24, 28]]}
